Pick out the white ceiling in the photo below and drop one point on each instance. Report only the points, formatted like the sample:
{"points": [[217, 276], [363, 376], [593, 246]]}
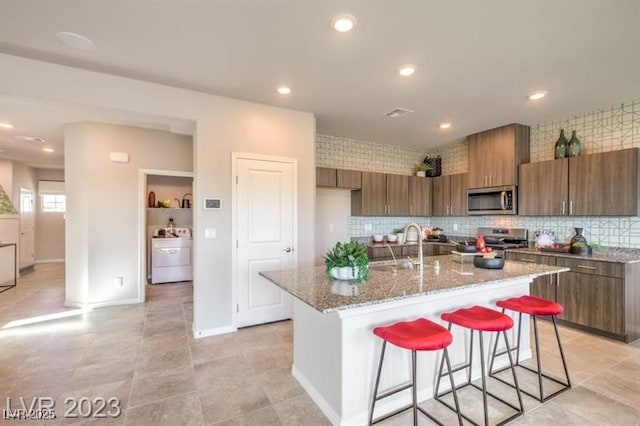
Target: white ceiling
{"points": [[477, 59]]}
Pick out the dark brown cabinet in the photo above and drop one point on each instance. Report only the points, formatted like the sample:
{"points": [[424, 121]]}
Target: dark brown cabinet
{"points": [[604, 184], [450, 195], [494, 155], [381, 195], [544, 286], [419, 196], [338, 178], [544, 188]]}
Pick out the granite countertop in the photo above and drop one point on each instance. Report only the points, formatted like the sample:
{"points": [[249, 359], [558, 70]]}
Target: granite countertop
{"points": [[312, 286], [610, 254]]}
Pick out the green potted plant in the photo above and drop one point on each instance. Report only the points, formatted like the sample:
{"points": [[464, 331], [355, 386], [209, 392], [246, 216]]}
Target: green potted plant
{"points": [[583, 248], [399, 233], [421, 169], [347, 261]]}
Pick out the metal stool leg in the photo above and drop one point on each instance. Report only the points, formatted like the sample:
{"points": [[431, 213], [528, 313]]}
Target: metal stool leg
{"points": [[414, 392], [484, 382], [538, 362], [375, 389], [564, 363]]}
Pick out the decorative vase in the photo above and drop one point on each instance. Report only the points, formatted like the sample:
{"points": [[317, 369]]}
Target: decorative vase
{"points": [[573, 147], [584, 250], [561, 146]]}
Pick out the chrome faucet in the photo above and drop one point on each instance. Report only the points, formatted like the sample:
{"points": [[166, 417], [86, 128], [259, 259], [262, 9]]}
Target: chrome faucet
{"points": [[420, 263]]}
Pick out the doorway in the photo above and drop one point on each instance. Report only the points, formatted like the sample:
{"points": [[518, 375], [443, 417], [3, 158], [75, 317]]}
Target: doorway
{"points": [[265, 223]]}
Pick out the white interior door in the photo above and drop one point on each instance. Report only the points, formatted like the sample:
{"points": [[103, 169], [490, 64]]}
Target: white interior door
{"points": [[27, 205], [265, 233]]}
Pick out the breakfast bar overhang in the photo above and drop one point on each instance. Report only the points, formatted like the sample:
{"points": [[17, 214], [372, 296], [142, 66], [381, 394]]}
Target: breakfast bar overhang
{"points": [[335, 352]]}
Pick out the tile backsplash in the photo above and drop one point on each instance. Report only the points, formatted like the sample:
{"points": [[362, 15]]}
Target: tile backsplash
{"points": [[606, 129]]}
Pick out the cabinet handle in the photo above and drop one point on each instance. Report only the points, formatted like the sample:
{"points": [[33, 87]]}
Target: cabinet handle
{"points": [[528, 259], [570, 207], [591, 268], [563, 206], [451, 210]]}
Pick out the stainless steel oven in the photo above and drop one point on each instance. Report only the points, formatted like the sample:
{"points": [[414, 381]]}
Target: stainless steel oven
{"points": [[497, 200]]}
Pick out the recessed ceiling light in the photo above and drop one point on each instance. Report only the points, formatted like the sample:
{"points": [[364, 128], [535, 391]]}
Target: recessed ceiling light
{"points": [[445, 125], [45, 149], [29, 139], [407, 70], [6, 126], [76, 41], [537, 95], [284, 90], [343, 22]]}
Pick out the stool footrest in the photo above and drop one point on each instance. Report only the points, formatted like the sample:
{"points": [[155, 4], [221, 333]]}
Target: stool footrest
{"points": [[393, 391], [470, 420], [565, 385]]}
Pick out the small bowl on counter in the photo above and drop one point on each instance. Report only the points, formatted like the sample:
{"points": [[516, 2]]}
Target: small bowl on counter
{"points": [[378, 238], [488, 262], [392, 238], [464, 248]]}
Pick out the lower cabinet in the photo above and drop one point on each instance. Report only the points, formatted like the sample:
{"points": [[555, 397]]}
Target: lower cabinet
{"points": [[592, 300], [596, 295]]}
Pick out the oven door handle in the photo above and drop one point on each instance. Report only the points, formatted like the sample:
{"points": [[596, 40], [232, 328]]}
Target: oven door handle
{"points": [[503, 200]]}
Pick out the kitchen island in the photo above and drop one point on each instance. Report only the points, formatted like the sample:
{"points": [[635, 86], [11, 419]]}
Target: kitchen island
{"points": [[335, 352]]}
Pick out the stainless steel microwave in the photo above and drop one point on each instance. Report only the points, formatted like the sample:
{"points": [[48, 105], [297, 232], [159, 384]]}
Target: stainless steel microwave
{"points": [[496, 200]]}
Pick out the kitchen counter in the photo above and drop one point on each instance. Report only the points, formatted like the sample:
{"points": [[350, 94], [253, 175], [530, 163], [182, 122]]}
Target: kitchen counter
{"points": [[315, 288], [335, 352], [610, 254]]}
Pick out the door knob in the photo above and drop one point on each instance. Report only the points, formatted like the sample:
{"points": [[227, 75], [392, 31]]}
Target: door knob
{"points": [[287, 250]]}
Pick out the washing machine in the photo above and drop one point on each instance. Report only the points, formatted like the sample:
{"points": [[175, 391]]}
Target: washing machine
{"points": [[171, 255]]}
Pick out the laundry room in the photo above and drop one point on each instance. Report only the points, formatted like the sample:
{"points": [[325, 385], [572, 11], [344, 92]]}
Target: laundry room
{"points": [[169, 228]]}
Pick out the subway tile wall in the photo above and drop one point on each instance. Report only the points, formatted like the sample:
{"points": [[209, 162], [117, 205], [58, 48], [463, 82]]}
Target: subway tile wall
{"points": [[606, 129]]}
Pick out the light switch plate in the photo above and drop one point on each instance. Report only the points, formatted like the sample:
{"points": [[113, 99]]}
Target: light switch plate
{"points": [[209, 233]]}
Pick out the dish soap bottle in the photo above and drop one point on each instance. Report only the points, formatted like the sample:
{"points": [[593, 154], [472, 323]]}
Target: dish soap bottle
{"points": [[480, 245], [170, 226]]}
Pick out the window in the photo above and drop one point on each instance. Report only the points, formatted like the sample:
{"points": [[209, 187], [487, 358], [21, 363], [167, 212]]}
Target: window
{"points": [[53, 196], [54, 203]]}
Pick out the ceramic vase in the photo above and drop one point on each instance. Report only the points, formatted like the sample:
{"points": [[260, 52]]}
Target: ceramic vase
{"points": [[561, 146]]}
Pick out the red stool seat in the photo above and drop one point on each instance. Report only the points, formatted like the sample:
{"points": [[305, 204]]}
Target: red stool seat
{"points": [[418, 335], [531, 305], [479, 318]]}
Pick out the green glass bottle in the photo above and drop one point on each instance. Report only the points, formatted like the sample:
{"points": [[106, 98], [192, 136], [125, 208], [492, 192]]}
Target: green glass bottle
{"points": [[573, 147], [561, 146]]}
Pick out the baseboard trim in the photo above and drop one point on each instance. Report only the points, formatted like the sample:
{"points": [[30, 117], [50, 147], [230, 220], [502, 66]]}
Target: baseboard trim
{"points": [[69, 304], [50, 261], [198, 334]]}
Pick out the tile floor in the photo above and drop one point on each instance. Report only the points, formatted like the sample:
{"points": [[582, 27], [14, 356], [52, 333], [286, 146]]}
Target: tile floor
{"points": [[146, 357]]}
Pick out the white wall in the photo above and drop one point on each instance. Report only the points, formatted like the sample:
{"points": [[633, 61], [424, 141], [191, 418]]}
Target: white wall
{"points": [[222, 126], [333, 208], [49, 238], [112, 203]]}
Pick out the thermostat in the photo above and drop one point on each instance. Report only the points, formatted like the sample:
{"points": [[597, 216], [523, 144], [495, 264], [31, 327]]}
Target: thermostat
{"points": [[212, 204]]}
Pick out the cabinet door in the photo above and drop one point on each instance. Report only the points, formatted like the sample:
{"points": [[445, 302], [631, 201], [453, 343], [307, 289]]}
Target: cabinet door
{"points": [[441, 188], [325, 177], [480, 157], [397, 195], [604, 184], [370, 200], [458, 197], [503, 151], [419, 196], [592, 300], [383, 252], [544, 188], [350, 179]]}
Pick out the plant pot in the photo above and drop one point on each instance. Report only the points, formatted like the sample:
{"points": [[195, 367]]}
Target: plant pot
{"points": [[421, 173], [344, 273]]}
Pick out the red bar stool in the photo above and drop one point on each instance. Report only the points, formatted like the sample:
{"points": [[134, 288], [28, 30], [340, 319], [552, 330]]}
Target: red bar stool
{"points": [[481, 319], [418, 335], [534, 307]]}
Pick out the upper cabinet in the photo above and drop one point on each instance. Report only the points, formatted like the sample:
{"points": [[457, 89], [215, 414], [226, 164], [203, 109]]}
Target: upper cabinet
{"points": [[450, 195], [381, 195], [604, 184], [494, 156], [419, 196], [338, 178]]}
